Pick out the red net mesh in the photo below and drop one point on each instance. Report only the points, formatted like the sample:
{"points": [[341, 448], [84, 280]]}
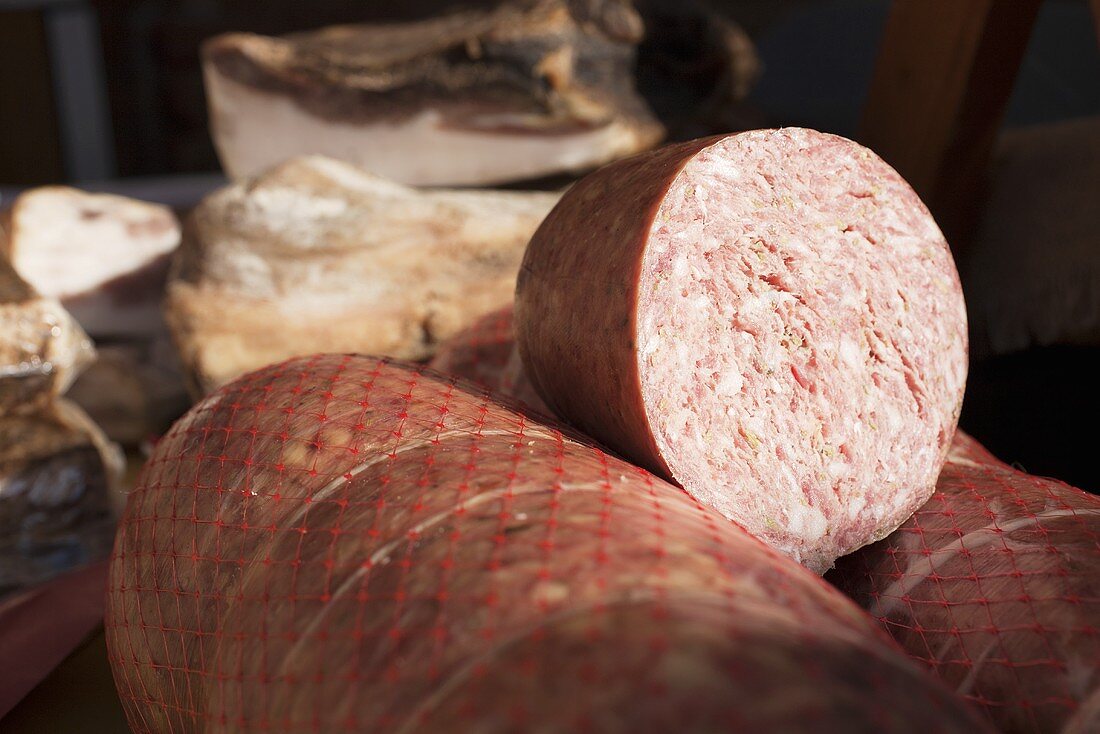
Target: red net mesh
{"points": [[342, 544], [995, 586]]}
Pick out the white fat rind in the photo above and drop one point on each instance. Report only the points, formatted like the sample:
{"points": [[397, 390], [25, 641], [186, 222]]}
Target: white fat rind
{"points": [[255, 130]]}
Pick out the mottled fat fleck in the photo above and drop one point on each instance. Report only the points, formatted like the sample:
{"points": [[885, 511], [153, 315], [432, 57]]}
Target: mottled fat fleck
{"points": [[281, 208]]}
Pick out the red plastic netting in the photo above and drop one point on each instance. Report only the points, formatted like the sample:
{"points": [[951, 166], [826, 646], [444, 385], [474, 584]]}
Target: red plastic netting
{"points": [[995, 585], [342, 544]]}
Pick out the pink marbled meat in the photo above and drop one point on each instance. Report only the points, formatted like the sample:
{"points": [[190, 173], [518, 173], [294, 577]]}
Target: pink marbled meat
{"points": [[771, 319]]}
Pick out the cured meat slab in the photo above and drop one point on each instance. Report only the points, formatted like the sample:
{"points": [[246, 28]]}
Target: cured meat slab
{"points": [[519, 91], [57, 469], [42, 348], [510, 91], [105, 257]]}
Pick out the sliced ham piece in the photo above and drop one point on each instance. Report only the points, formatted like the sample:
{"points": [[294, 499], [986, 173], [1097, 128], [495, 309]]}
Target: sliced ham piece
{"points": [[317, 255], [994, 585], [105, 257], [771, 319]]}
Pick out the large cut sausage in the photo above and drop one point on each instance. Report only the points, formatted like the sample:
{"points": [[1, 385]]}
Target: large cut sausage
{"points": [[995, 586], [772, 319], [339, 543]]}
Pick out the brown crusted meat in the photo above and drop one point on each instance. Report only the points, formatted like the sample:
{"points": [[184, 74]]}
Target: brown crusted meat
{"points": [[57, 473], [133, 391], [317, 255]]}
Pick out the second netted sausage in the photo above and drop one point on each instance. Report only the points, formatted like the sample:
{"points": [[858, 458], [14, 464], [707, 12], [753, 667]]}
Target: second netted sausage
{"points": [[339, 543]]}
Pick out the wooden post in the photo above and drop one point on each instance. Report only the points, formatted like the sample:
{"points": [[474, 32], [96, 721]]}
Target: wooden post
{"points": [[944, 75]]}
